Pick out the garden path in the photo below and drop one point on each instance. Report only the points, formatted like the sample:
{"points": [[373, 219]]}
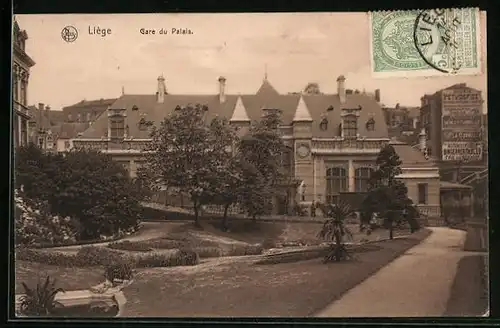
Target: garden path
{"points": [[417, 284]]}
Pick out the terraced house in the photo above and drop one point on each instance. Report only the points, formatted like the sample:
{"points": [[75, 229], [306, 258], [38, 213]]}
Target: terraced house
{"points": [[333, 139], [21, 65]]}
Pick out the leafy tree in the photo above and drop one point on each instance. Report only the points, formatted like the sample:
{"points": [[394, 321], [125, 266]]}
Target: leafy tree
{"points": [[87, 186], [387, 195], [334, 230], [261, 152], [187, 152], [312, 88]]}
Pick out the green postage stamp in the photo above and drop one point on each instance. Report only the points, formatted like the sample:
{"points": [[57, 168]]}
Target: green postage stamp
{"points": [[425, 42]]}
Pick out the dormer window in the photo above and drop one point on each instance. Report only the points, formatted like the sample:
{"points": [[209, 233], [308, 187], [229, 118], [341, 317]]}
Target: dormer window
{"points": [[370, 124], [135, 107], [329, 109], [177, 107], [323, 125], [350, 126]]}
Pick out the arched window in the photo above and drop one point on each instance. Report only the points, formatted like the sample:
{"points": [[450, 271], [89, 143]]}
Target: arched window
{"points": [[323, 125], [336, 181], [362, 178]]}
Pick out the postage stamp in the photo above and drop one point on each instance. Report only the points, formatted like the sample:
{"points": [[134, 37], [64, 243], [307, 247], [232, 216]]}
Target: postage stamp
{"points": [[431, 42]]}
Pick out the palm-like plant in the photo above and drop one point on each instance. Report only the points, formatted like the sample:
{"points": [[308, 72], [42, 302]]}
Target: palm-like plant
{"points": [[40, 301], [334, 230]]}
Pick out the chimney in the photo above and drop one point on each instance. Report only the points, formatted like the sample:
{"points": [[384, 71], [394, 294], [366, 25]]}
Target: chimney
{"points": [[222, 87], [162, 90], [422, 140], [47, 113], [40, 106], [377, 95], [341, 88], [40, 115]]}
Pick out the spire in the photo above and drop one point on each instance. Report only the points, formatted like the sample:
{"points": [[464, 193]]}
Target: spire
{"points": [[302, 112], [239, 113], [265, 72], [123, 90]]}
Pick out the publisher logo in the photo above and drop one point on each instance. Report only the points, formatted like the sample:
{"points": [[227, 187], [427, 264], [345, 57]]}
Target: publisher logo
{"points": [[69, 34]]}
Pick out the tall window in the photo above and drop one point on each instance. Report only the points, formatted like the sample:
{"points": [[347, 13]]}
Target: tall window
{"points": [[23, 93], [78, 117], [422, 193], [88, 117], [362, 178], [117, 127], [70, 118], [350, 126], [15, 86], [24, 132], [336, 181]]}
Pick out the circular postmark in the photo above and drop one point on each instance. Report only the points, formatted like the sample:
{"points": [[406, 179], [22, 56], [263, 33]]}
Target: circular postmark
{"points": [[436, 39], [69, 34]]}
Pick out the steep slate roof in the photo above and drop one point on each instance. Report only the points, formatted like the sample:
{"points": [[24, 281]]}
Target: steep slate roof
{"points": [[91, 103], [266, 98], [69, 130], [410, 156]]}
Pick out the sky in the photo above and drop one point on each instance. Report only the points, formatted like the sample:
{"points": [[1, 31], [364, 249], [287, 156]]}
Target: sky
{"points": [[292, 48]]}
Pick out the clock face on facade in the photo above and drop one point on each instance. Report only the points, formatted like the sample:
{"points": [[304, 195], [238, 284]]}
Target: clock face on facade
{"points": [[303, 150]]}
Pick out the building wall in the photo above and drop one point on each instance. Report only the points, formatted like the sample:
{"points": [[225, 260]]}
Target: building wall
{"points": [[433, 194]]}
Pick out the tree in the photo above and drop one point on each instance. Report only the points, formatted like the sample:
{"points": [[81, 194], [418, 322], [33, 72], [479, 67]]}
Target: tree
{"points": [[260, 152], [334, 230], [387, 195], [84, 185], [187, 152], [312, 88]]}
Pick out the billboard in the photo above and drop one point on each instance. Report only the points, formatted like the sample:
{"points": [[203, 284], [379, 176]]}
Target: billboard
{"points": [[462, 138], [462, 151]]}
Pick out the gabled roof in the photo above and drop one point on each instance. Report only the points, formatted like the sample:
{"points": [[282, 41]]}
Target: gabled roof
{"points": [[239, 113], [102, 103], [319, 107], [302, 112]]}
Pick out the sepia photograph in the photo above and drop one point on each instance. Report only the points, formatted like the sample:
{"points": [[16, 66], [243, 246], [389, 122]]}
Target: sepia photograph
{"points": [[320, 164]]}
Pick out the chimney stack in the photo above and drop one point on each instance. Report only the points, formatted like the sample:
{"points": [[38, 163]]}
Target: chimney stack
{"points": [[162, 90], [222, 87], [40, 106], [341, 88], [377, 95]]}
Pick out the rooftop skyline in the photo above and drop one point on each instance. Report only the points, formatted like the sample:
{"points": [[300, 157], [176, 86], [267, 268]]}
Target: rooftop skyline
{"points": [[291, 49]]}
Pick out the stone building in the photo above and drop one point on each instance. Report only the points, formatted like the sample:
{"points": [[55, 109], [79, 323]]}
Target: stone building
{"points": [[453, 122], [403, 123], [43, 125], [21, 65], [333, 139]]}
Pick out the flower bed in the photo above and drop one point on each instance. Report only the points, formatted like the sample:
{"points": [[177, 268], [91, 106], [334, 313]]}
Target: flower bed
{"points": [[102, 256]]}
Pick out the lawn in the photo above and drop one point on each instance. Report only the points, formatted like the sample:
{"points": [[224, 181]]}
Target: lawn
{"points": [[469, 295], [240, 288], [67, 278]]}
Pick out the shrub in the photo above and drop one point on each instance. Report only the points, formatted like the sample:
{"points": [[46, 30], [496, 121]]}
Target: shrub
{"points": [[39, 301], [206, 252], [119, 270], [34, 225], [94, 255], [187, 257], [242, 250], [50, 258], [130, 246], [86, 185]]}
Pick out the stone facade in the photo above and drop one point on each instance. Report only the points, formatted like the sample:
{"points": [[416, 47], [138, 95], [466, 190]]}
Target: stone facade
{"points": [[21, 65], [333, 139]]}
